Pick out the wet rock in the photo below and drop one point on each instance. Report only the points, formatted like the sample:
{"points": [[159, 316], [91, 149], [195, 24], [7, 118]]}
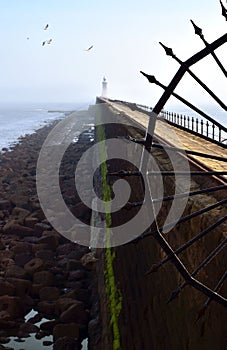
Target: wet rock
{"points": [[65, 249], [12, 227], [30, 222], [79, 294], [66, 330], [6, 288], [28, 328], [45, 278], [46, 307], [49, 293], [89, 261], [33, 266], [13, 305], [67, 343], [5, 204], [63, 304], [47, 343], [40, 335], [76, 275], [35, 319], [45, 255], [75, 313], [19, 214], [4, 340], [20, 247], [40, 227], [16, 272], [48, 326], [50, 240], [22, 258], [22, 286]]}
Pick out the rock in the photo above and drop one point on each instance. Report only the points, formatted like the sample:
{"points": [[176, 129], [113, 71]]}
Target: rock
{"points": [[5, 316], [12, 227], [22, 287], [33, 266], [6, 288], [16, 272], [40, 335], [20, 247], [40, 227], [49, 293], [4, 340], [65, 249], [2, 245], [73, 264], [19, 214], [30, 222], [63, 304], [35, 319], [41, 246], [45, 278], [46, 307], [89, 261], [35, 289], [5, 204], [45, 255], [79, 294], [28, 328], [50, 240], [75, 313], [48, 326], [47, 343], [67, 343], [22, 258], [76, 275], [12, 305], [66, 330]]}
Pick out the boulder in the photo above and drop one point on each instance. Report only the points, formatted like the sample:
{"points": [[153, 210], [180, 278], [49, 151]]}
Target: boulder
{"points": [[5, 204], [63, 304], [30, 221], [28, 328], [50, 240], [33, 266], [89, 261], [13, 227], [67, 343], [6, 288], [48, 326], [49, 293], [16, 272], [45, 278], [76, 275], [66, 330], [75, 313], [20, 247], [19, 214], [23, 258], [13, 306], [22, 286], [46, 308], [45, 255]]}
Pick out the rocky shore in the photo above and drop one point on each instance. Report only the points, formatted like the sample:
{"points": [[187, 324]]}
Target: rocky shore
{"points": [[40, 269]]}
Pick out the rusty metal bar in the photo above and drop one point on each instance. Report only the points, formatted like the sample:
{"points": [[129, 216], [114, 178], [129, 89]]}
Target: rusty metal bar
{"points": [[198, 31], [179, 250], [152, 79], [169, 52], [176, 292]]}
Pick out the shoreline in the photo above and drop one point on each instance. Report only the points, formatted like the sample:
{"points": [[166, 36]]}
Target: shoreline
{"points": [[40, 269]]}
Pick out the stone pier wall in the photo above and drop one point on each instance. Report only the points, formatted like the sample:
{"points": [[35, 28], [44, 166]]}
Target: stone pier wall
{"points": [[146, 320]]}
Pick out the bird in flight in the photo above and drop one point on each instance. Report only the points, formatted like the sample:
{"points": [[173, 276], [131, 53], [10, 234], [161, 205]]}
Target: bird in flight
{"points": [[89, 48], [49, 41], [43, 43], [46, 26]]}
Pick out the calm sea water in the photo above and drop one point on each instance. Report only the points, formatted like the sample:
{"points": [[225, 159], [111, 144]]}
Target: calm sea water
{"points": [[18, 120]]}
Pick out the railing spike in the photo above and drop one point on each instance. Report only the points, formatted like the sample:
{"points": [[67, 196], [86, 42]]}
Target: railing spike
{"points": [[198, 31], [150, 78], [224, 11], [168, 50]]}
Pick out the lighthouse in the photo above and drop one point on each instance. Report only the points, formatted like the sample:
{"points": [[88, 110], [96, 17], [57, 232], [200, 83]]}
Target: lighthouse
{"points": [[104, 87]]}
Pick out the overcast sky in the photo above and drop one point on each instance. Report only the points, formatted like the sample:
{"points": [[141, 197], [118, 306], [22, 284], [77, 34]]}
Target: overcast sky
{"points": [[125, 36]]}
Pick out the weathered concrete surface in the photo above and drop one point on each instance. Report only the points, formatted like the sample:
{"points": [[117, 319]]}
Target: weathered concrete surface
{"points": [[146, 321]]}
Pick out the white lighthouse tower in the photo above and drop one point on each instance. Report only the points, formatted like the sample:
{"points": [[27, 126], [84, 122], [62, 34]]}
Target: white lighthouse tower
{"points": [[104, 87]]}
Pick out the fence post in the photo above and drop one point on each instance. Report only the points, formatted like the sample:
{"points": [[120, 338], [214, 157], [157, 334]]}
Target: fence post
{"points": [[197, 125], [192, 124], [213, 127], [219, 135], [188, 123], [184, 121], [207, 124], [202, 126]]}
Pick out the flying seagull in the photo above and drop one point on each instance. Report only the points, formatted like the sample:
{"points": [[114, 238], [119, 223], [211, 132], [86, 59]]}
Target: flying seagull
{"points": [[46, 26], [49, 41], [43, 43], [89, 48]]}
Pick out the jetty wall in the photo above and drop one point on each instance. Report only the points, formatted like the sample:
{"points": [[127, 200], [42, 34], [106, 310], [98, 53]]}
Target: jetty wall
{"points": [[145, 320]]}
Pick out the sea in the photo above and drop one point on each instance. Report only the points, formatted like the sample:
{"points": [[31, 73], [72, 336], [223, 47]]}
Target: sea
{"points": [[18, 120]]}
